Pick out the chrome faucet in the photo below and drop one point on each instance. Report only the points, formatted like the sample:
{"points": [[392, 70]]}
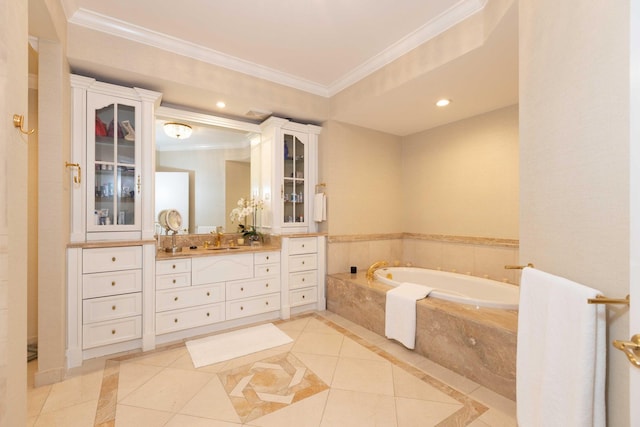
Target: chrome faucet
{"points": [[373, 267]]}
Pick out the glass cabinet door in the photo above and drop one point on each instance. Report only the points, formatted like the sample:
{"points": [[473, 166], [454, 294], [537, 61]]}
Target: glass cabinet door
{"points": [[113, 156], [294, 179]]}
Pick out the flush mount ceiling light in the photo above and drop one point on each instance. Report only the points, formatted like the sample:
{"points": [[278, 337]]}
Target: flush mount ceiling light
{"points": [[443, 102], [220, 104], [177, 130]]}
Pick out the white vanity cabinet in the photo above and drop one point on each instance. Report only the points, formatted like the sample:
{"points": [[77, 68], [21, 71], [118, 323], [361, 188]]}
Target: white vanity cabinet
{"points": [[111, 254], [208, 293], [259, 295], [303, 271], [105, 309], [285, 169]]}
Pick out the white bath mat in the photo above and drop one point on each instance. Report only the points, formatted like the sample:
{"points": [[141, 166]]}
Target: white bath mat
{"points": [[218, 348]]}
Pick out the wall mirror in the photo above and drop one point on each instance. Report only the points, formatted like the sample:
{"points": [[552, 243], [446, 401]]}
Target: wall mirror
{"points": [[204, 175]]}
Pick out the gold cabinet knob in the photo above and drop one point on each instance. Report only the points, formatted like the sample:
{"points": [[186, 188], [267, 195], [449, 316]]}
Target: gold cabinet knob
{"points": [[113, 332], [173, 266], [241, 308], [175, 298], [113, 283], [208, 314], [174, 281], [113, 259], [113, 307], [175, 320], [208, 293]]}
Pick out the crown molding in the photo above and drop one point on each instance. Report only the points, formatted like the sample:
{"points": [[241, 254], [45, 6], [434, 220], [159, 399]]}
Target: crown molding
{"points": [[103, 23], [438, 25]]}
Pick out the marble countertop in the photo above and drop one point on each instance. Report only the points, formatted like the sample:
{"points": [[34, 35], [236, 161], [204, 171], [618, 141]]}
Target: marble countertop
{"points": [[215, 251]]}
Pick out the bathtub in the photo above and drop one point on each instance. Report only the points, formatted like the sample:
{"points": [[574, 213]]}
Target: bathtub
{"points": [[455, 287]]}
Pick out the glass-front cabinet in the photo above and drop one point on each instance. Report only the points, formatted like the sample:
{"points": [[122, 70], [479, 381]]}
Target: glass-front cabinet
{"points": [[294, 188], [288, 175], [113, 154]]}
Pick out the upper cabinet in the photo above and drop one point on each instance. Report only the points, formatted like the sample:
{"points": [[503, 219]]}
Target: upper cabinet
{"points": [[288, 175], [112, 134]]}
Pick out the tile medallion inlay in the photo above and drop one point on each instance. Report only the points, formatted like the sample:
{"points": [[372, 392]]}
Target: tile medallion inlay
{"points": [[276, 382]]}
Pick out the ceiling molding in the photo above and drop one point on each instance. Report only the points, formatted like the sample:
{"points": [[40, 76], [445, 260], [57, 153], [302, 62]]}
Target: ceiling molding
{"points": [[99, 22], [109, 25], [438, 25]]}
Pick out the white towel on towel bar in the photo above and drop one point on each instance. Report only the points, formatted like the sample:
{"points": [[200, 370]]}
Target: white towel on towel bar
{"points": [[561, 359], [400, 312], [320, 207]]}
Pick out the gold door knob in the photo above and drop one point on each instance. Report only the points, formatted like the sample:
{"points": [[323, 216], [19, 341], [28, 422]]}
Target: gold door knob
{"points": [[631, 349]]}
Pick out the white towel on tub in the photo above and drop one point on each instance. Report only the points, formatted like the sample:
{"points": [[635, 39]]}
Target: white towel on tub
{"points": [[400, 312], [561, 357]]}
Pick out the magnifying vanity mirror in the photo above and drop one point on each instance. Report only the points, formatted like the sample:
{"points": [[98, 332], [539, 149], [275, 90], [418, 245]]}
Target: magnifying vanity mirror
{"points": [[203, 176]]}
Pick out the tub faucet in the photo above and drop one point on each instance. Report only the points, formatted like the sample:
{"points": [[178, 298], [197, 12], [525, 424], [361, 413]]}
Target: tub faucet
{"points": [[373, 267]]}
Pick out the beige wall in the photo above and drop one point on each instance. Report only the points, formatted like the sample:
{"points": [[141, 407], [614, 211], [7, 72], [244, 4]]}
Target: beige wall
{"points": [[574, 151], [361, 168], [462, 178], [13, 214]]}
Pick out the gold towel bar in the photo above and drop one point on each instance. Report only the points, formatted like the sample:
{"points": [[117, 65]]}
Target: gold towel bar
{"points": [[517, 267], [601, 299]]}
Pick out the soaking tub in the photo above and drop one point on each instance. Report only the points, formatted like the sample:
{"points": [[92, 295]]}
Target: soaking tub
{"points": [[455, 287]]}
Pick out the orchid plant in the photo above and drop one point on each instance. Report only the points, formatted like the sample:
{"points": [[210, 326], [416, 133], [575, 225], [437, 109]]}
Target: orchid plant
{"points": [[247, 208]]}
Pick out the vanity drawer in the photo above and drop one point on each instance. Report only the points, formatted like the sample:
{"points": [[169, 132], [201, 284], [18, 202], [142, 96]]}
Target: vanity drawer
{"points": [[252, 306], [103, 333], [170, 281], [97, 260], [112, 283], [252, 288], [303, 296], [303, 245], [189, 297], [109, 308], [171, 266], [266, 257], [303, 262], [221, 268], [171, 321], [303, 279], [266, 270]]}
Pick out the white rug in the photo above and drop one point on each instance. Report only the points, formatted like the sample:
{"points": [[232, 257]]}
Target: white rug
{"points": [[218, 348]]}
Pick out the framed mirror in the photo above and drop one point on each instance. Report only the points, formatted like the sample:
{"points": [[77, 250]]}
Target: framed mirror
{"points": [[202, 176]]}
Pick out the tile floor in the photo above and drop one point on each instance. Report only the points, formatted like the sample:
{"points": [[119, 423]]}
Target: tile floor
{"points": [[334, 373]]}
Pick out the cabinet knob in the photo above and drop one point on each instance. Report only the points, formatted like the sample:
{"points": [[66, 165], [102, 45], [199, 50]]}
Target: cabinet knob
{"points": [[241, 308], [208, 293], [303, 279], [241, 289], [302, 296], [113, 259], [113, 332], [174, 281], [208, 314], [266, 303], [267, 257], [175, 320], [303, 245], [302, 262], [267, 270], [113, 283], [266, 285], [173, 266], [113, 307], [175, 298]]}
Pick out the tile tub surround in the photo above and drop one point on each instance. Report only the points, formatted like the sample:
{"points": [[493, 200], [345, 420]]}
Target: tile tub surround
{"points": [[478, 343], [477, 256]]}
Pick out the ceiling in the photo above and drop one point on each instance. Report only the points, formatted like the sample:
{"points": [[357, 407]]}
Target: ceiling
{"points": [[322, 48]]}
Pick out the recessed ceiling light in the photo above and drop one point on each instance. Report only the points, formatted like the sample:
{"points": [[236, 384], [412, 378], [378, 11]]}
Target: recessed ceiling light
{"points": [[443, 102], [220, 104]]}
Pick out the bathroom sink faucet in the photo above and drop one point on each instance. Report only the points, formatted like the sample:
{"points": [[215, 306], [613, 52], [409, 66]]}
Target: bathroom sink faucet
{"points": [[373, 267]]}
